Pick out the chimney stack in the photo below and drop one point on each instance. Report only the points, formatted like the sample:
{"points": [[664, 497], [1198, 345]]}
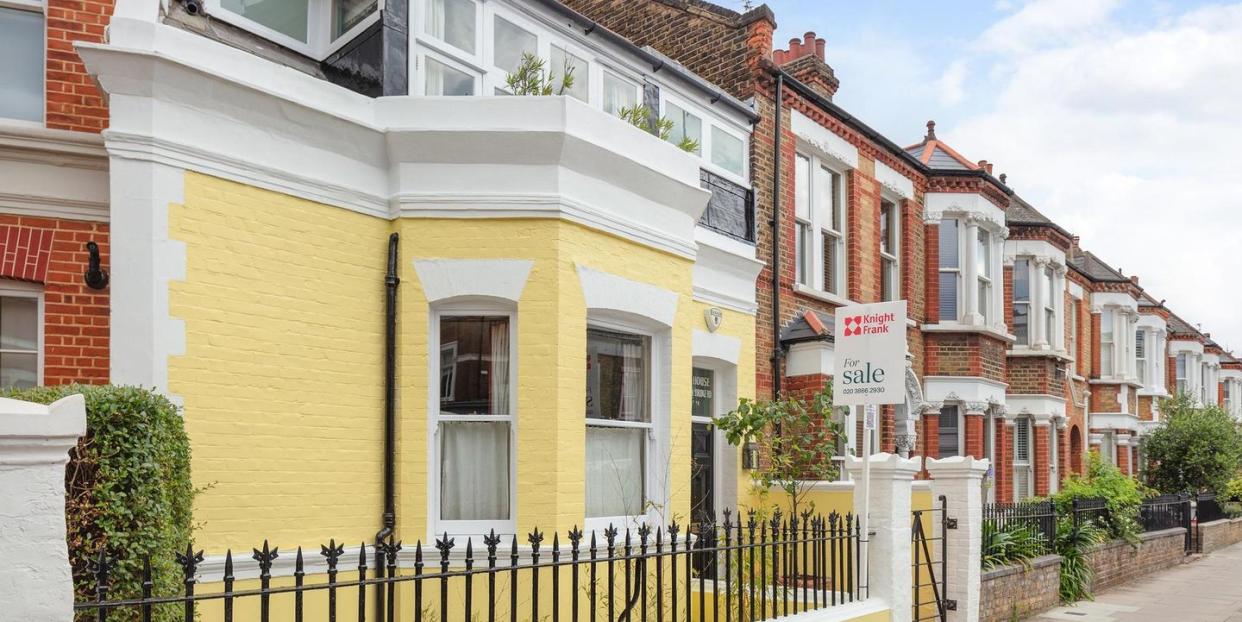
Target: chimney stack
{"points": [[983, 164], [1134, 279], [804, 60]]}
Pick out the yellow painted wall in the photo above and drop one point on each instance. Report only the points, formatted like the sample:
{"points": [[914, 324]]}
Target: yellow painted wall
{"points": [[282, 377]]}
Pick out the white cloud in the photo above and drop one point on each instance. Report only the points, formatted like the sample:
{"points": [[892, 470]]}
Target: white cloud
{"points": [[1126, 136], [952, 83]]}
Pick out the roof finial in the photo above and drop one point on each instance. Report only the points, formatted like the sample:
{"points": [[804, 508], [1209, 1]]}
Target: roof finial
{"points": [[931, 131]]}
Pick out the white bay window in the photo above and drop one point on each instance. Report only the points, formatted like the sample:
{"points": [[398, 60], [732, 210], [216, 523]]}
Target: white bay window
{"points": [[1038, 298], [970, 253], [473, 422]]}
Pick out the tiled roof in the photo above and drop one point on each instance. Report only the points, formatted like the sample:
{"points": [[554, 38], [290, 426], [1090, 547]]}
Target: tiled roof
{"points": [[938, 155], [1022, 213], [1179, 326], [1095, 269], [810, 326]]}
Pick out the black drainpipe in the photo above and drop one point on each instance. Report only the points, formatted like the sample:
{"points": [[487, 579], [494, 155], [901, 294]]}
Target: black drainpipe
{"points": [[777, 353], [385, 534]]}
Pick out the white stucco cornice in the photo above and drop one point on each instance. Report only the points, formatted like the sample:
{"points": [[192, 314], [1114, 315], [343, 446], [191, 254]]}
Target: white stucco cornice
{"points": [[938, 205], [725, 271]]}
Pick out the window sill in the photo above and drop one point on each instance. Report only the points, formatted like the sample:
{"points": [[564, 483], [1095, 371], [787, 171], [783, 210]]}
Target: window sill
{"points": [[820, 294], [958, 327], [1133, 382], [1018, 350]]}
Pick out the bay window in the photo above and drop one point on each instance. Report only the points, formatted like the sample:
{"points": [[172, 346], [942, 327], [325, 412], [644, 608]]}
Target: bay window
{"points": [[1049, 297], [950, 270], [890, 251], [819, 221], [21, 73], [474, 421], [618, 93], [1022, 301], [686, 126], [315, 28], [565, 63], [444, 79], [618, 423], [509, 43], [453, 22]]}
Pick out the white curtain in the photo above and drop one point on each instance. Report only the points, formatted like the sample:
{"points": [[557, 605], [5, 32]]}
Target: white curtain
{"points": [[474, 470], [435, 18], [500, 369], [614, 471]]}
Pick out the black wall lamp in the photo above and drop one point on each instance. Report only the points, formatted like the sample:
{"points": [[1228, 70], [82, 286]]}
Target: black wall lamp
{"points": [[95, 277], [750, 456]]}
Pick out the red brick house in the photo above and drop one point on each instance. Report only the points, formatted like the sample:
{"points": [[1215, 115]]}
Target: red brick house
{"points": [[54, 197]]}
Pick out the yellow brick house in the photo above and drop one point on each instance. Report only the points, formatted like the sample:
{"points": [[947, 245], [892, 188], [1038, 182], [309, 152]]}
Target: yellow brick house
{"points": [[576, 296]]}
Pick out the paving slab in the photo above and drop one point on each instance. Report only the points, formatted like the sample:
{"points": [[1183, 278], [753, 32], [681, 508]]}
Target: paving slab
{"points": [[1208, 588]]}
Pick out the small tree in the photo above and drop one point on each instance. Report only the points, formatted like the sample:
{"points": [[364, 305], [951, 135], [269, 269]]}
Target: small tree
{"points": [[531, 78], [1196, 449], [796, 439]]}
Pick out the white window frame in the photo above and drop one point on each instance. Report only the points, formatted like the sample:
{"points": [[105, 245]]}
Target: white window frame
{"points": [[18, 289], [706, 123], [1024, 263], [1181, 373], [40, 8], [471, 528], [822, 170], [959, 271], [1051, 306], [450, 61], [891, 261], [1071, 347], [319, 43], [1026, 467], [1142, 363], [656, 451], [1108, 350], [493, 75], [985, 280], [960, 409], [597, 86]]}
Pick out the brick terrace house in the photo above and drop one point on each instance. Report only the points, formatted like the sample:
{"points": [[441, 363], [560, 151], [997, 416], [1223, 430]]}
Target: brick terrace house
{"points": [[53, 196]]}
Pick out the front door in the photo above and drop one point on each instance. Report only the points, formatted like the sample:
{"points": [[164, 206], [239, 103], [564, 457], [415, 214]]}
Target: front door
{"points": [[703, 448]]}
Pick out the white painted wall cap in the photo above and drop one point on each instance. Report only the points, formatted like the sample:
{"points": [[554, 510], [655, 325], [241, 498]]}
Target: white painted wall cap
{"points": [[64, 417], [959, 465], [883, 461]]}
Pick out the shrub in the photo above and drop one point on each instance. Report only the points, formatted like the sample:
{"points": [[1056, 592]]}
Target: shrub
{"points": [[128, 490], [1009, 545], [1196, 449], [796, 439], [1074, 540], [1233, 490], [531, 78], [1122, 494]]}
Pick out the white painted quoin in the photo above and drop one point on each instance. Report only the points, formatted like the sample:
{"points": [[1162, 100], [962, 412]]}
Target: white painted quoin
{"points": [[36, 582]]}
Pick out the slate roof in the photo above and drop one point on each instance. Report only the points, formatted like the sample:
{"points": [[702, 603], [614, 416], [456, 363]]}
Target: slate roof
{"points": [[1022, 213], [1095, 269], [938, 155], [803, 328], [1179, 326], [1145, 300]]}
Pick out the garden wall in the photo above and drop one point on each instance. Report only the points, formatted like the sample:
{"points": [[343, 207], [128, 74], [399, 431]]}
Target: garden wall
{"points": [[1014, 592], [1219, 534], [1118, 562]]}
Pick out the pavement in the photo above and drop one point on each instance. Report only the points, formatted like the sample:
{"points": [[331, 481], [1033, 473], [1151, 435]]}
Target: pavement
{"points": [[1207, 589]]}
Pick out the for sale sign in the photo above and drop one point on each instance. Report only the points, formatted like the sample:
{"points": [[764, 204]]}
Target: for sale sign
{"points": [[870, 354]]}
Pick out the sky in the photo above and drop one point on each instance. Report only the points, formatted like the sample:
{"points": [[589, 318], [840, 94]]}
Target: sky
{"points": [[1119, 119]]}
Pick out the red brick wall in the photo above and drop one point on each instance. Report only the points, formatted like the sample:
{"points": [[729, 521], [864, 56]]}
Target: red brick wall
{"points": [[73, 100], [1123, 458], [1043, 454], [965, 354], [1063, 454], [1095, 352], [1003, 470], [75, 323], [974, 435], [1034, 375]]}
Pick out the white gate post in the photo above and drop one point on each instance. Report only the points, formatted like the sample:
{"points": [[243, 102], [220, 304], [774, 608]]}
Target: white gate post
{"points": [[36, 582], [960, 480], [890, 576]]}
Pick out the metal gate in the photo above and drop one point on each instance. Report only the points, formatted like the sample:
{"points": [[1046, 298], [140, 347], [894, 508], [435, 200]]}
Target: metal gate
{"points": [[930, 569]]}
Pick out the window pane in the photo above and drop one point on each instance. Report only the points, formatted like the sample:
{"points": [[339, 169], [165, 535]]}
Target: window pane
{"points": [[1022, 440], [948, 296], [510, 42], [886, 227], [452, 21], [949, 255], [948, 431], [474, 365], [618, 93], [444, 80], [985, 293], [19, 323], [18, 371], [704, 393], [617, 376], [21, 73], [802, 250], [983, 253], [563, 64], [1021, 322], [1021, 280], [685, 126], [288, 17], [474, 470], [349, 13], [726, 151], [888, 279], [802, 188], [832, 250], [615, 473]]}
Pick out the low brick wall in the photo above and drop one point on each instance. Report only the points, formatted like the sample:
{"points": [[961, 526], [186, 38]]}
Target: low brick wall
{"points": [[1219, 534], [1118, 562], [1014, 592]]}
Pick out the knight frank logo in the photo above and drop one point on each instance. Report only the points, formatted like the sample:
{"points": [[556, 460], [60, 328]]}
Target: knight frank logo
{"points": [[869, 324]]}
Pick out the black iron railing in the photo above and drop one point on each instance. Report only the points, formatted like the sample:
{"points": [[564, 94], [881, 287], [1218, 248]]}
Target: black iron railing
{"points": [[1094, 511], [1040, 517], [763, 569], [1208, 508]]}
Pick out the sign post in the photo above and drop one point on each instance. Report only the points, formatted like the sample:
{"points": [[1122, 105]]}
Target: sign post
{"points": [[870, 371]]}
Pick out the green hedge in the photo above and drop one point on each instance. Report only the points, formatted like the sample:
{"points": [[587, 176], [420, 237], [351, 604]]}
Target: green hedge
{"points": [[128, 488]]}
